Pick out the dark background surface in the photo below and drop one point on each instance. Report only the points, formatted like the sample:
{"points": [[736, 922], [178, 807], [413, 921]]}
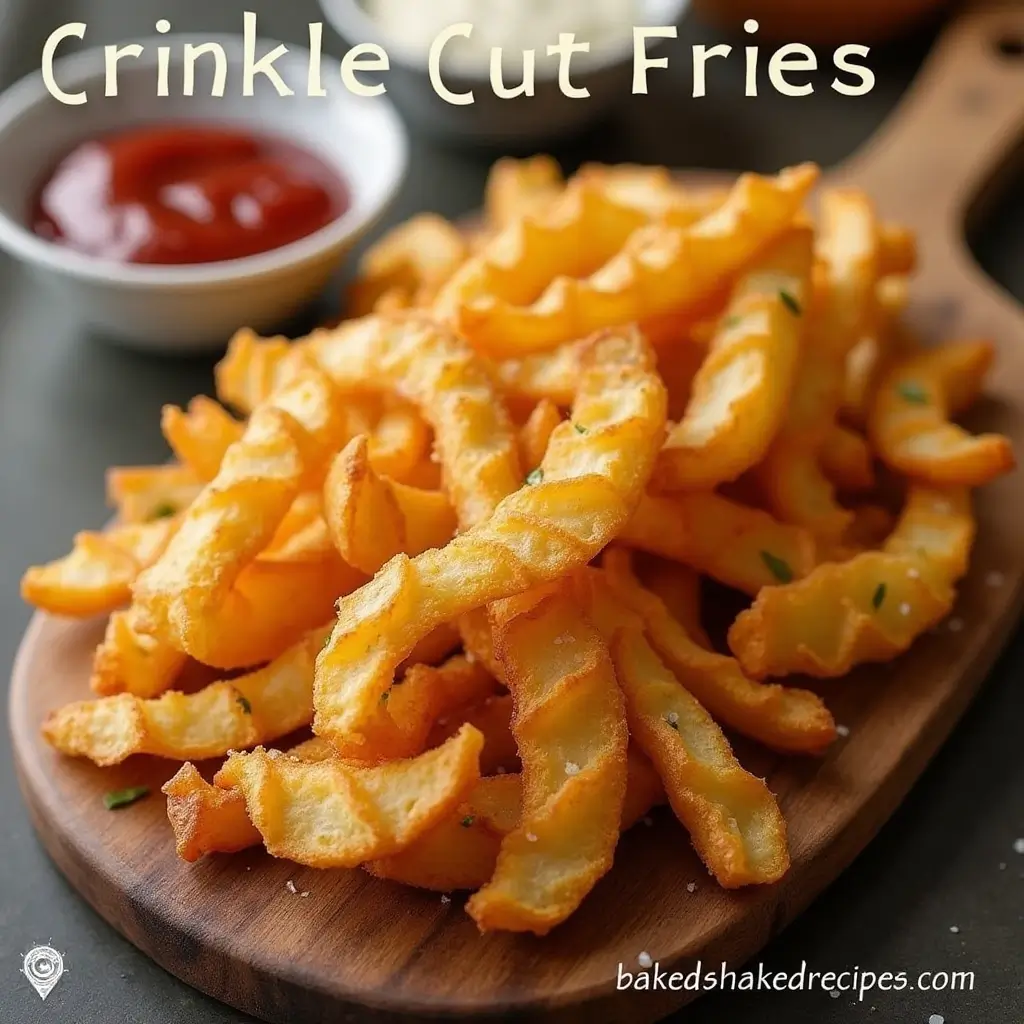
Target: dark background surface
{"points": [[70, 406]]}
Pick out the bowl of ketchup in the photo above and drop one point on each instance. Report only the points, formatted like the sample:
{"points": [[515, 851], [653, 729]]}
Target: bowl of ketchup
{"points": [[167, 222]]}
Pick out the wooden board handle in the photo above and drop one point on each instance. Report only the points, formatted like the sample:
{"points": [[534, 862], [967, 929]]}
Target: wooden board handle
{"points": [[956, 126]]}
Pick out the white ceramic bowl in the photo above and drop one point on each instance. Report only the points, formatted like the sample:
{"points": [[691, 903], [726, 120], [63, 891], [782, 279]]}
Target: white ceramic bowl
{"points": [[198, 306], [504, 124]]}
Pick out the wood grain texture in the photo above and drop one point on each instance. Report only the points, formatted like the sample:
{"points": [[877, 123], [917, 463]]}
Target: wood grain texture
{"points": [[357, 948]]}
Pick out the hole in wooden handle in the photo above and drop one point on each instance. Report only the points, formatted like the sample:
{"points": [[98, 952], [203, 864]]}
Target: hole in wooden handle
{"points": [[1010, 45]]}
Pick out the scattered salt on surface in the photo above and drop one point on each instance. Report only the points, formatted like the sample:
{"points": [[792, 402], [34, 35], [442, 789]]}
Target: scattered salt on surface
{"points": [[445, 899], [1018, 846], [955, 624], [843, 730], [954, 929], [936, 1018], [904, 608], [644, 959], [691, 886], [290, 886]]}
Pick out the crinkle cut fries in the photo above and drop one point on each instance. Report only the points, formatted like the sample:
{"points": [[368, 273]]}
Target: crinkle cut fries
{"points": [[460, 537]]}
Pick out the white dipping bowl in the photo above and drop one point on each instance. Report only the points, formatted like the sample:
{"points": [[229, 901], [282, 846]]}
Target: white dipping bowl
{"points": [[194, 307], [505, 125]]}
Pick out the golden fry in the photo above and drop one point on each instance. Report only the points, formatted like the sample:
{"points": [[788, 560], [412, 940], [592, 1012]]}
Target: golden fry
{"points": [[207, 583], [869, 608], [570, 728], [741, 390], [733, 819], [783, 718], [462, 851], [254, 368], [519, 188], [399, 442], [910, 423], [536, 432], [97, 576], [493, 717], [254, 708], [550, 375], [795, 488], [144, 494], [426, 694], [897, 250], [870, 356], [408, 264], [372, 518], [678, 587], [128, 660], [200, 435], [204, 818], [475, 630], [208, 819], [739, 546], [589, 263], [846, 460], [329, 814], [435, 647]]}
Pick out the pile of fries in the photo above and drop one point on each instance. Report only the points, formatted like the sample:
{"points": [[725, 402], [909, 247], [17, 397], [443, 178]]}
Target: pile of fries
{"points": [[463, 534]]}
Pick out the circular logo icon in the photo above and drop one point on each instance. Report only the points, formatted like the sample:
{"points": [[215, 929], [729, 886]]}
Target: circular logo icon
{"points": [[43, 966]]}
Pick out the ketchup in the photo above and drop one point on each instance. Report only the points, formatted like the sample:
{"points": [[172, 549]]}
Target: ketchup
{"points": [[186, 194]]}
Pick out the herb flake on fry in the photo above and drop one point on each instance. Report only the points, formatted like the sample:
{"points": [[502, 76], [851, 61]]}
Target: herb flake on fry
{"points": [[912, 392], [778, 567], [790, 302], [163, 511]]}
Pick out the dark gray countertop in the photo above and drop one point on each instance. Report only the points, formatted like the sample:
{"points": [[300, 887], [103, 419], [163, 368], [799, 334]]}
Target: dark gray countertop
{"points": [[70, 406]]}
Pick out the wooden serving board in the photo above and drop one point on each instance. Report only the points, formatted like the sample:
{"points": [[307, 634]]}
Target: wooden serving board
{"points": [[357, 948]]}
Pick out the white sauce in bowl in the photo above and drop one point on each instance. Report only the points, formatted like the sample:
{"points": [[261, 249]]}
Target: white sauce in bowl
{"points": [[514, 25]]}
